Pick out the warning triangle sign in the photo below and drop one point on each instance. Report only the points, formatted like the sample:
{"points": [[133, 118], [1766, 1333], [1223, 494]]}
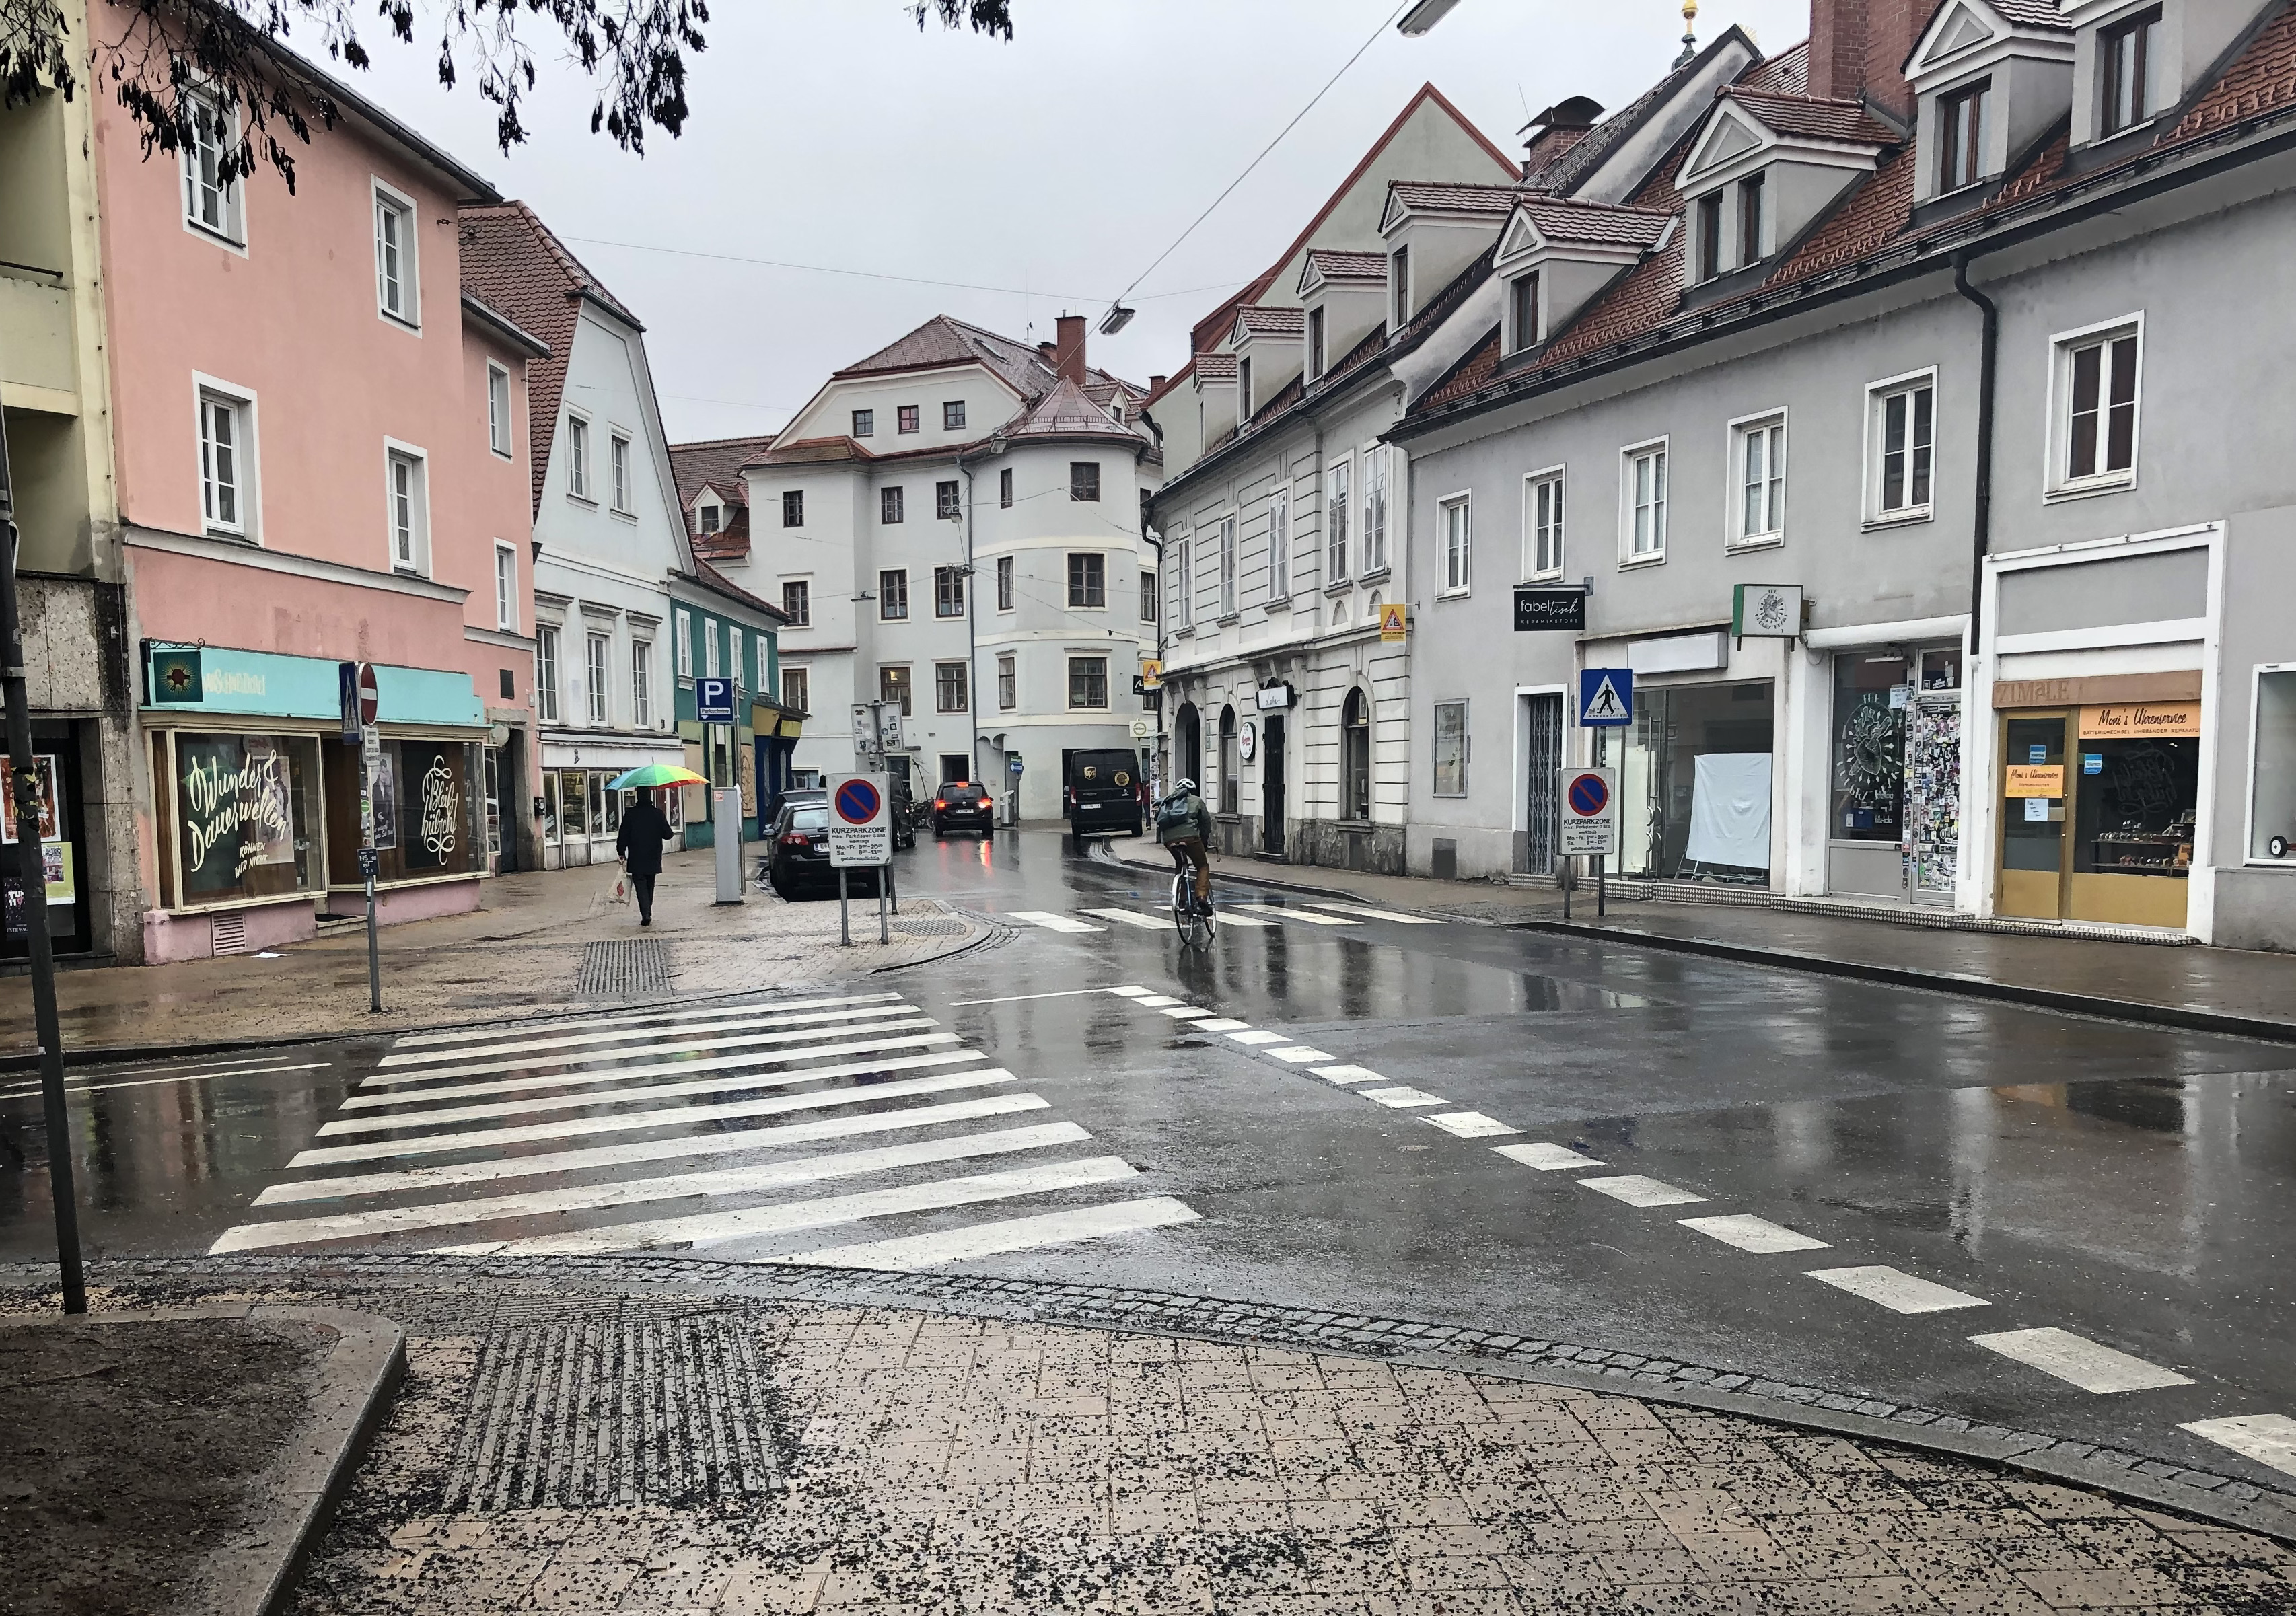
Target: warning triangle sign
{"points": [[1604, 703]]}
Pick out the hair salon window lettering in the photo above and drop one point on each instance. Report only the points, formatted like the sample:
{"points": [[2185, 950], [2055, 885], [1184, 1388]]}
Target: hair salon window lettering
{"points": [[431, 776], [238, 811], [439, 809]]}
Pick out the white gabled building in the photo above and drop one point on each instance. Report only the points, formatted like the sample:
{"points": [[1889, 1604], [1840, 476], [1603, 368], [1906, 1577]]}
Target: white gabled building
{"points": [[954, 521]]}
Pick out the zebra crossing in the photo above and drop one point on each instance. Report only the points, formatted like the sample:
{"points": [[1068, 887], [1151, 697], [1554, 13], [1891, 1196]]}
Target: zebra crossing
{"points": [[768, 1130], [1314, 914]]}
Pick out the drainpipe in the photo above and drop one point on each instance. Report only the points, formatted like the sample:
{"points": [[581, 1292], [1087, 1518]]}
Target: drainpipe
{"points": [[1148, 536], [1981, 513], [972, 630]]}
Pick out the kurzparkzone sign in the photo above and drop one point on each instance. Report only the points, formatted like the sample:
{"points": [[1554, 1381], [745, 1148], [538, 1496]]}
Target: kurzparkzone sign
{"points": [[1589, 813], [860, 821]]}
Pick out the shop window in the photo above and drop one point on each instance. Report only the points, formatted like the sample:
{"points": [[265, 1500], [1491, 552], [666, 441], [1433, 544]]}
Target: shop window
{"points": [[2272, 818], [1870, 698], [2136, 804], [1694, 784], [1355, 758], [1450, 748], [244, 816]]}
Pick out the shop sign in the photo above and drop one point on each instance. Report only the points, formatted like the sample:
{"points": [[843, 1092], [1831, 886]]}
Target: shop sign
{"points": [[2037, 780], [2174, 718], [175, 676], [1274, 698], [236, 812], [439, 809], [1542, 609], [269, 683], [1765, 611]]}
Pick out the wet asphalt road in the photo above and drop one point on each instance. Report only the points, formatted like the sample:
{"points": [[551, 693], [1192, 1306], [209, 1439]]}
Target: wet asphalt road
{"points": [[2131, 1185]]}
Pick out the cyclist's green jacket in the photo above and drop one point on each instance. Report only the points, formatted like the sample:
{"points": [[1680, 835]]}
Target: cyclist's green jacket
{"points": [[1198, 824]]}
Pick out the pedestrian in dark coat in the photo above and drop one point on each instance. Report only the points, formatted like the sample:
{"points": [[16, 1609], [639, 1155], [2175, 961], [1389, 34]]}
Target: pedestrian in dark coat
{"points": [[644, 828]]}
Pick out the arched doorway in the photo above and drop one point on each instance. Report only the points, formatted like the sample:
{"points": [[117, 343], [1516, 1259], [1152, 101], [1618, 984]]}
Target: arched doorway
{"points": [[1187, 746], [1355, 757], [1228, 782]]}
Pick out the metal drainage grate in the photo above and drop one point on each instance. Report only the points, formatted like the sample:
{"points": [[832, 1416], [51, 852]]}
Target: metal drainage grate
{"points": [[616, 1407], [624, 969], [230, 933]]}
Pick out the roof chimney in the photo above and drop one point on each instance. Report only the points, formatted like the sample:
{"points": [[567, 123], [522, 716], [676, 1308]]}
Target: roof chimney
{"points": [[1155, 383], [1069, 359], [1858, 48]]}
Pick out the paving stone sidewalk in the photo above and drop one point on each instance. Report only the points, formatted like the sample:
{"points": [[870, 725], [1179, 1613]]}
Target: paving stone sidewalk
{"points": [[522, 954], [674, 1450]]}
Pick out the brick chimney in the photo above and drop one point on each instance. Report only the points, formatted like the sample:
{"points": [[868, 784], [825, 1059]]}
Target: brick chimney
{"points": [[1068, 349], [1155, 382], [1858, 48]]}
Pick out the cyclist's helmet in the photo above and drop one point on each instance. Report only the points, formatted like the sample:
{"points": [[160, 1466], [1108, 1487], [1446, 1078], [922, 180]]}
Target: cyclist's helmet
{"points": [[1183, 788]]}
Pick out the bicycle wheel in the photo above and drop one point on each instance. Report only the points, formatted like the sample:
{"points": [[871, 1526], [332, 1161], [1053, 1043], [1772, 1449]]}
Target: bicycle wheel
{"points": [[1195, 929]]}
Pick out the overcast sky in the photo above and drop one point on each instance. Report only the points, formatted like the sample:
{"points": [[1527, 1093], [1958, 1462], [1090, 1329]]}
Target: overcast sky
{"points": [[1052, 169]]}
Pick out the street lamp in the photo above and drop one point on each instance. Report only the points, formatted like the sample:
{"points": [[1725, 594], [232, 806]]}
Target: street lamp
{"points": [[1424, 16]]}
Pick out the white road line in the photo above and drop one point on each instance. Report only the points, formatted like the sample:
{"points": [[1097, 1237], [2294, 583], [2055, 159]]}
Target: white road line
{"points": [[1277, 912], [636, 1192], [1759, 1235], [1401, 1098], [2082, 1362], [577, 1127], [199, 1067], [1065, 993], [1636, 1190], [1183, 1013], [706, 1229], [1300, 1055], [189, 1077], [1218, 1024], [656, 1115], [550, 1073], [1348, 1074], [815, 1025], [630, 1078], [1157, 1001], [1470, 1125], [568, 1023], [1130, 917], [693, 1147], [1229, 916], [2268, 1439], [1049, 921], [1010, 1234], [1400, 919], [1546, 1158], [1250, 1035], [1899, 1291]]}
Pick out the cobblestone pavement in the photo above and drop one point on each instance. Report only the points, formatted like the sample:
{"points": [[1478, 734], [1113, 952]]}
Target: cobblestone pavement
{"points": [[569, 1449], [525, 953]]}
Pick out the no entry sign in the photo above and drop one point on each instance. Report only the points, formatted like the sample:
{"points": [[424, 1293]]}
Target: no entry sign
{"points": [[1590, 812], [860, 821]]}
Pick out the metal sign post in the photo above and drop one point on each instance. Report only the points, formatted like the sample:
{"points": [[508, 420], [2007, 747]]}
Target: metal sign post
{"points": [[368, 691], [861, 833], [1589, 800]]}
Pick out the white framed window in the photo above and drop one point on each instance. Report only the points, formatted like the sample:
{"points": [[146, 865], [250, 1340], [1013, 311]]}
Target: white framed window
{"points": [[1900, 447], [765, 662], [396, 295], [506, 587], [1279, 542], [597, 648], [1459, 541], [1451, 749], [1398, 288], [709, 668], [226, 438], [737, 664], [2094, 381], [578, 455], [1641, 500], [499, 409], [1088, 580], [796, 601], [642, 684], [1542, 523], [1227, 566], [1008, 684], [797, 688], [2128, 72], [617, 453], [1757, 481], [680, 622], [406, 505], [545, 673], [1337, 485], [1147, 597], [1006, 592], [1374, 508], [1183, 571], [213, 205]]}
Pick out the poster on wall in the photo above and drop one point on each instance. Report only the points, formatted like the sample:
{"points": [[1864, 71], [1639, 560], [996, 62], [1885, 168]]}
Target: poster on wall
{"points": [[1933, 793], [45, 763], [385, 800], [270, 825], [62, 881]]}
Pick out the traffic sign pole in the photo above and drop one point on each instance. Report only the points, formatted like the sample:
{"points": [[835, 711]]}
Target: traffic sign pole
{"points": [[844, 918], [1602, 860]]}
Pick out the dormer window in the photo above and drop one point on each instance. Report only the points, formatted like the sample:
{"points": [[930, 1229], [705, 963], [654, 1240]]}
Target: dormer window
{"points": [[710, 518], [1243, 387], [1709, 236], [1522, 305], [1315, 344], [2128, 70], [1398, 281], [1961, 137], [1750, 218]]}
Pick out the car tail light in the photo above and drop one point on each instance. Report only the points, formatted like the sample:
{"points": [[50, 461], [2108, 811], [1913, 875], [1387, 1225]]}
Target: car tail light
{"points": [[797, 839], [940, 802]]}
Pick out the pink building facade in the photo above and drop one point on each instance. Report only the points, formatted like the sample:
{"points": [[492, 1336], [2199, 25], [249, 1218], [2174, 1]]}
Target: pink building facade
{"points": [[322, 456]]}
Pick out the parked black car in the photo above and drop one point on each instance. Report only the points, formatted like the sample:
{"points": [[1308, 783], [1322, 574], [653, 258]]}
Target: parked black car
{"points": [[1106, 794], [798, 865], [962, 806]]}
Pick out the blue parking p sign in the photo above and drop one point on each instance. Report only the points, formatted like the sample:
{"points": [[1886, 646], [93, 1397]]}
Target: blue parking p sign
{"points": [[713, 701], [1606, 697]]}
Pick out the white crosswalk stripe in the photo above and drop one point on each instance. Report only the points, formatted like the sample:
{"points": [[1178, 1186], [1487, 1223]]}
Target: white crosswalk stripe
{"points": [[1132, 917], [2268, 1439], [1051, 922], [1400, 919], [1894, 1289], [2086, 1364], [524, 1140], [1277, 912], [1232, 914]]}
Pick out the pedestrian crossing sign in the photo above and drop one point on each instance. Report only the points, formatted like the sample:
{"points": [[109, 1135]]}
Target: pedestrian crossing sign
{"points": [[1606, 697], [1390, 622]]}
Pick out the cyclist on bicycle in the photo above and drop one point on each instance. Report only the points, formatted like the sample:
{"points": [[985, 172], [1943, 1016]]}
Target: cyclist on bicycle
{"points": [[1184, 824]]}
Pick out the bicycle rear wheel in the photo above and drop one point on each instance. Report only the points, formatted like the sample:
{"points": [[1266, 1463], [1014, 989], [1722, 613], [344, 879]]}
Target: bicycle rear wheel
{"points": [[1195, 929]]}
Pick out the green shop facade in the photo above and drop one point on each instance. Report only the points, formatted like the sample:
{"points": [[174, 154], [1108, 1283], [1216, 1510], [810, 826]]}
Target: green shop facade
{"points": [[255, 796], [720, 630]]}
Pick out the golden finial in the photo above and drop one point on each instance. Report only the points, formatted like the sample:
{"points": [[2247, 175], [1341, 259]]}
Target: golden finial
{"points": [[1689, 32]]}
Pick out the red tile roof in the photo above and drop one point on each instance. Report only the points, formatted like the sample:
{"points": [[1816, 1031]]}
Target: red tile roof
{"points": [[1787, 73], [1215, 367], [813, 451], [510, 261], [1478, 368], [1597, 224], [1066, 413], [942, 341], [729, 543], [1271, 320], [2032, 13], [1813, 117], [2262, 77], [716, 463], [1348, 268], [1425, 197], [717, 581]]}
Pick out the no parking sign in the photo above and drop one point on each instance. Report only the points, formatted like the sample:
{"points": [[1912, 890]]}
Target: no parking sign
{"points": [[1589, 802], [860, 821]]}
